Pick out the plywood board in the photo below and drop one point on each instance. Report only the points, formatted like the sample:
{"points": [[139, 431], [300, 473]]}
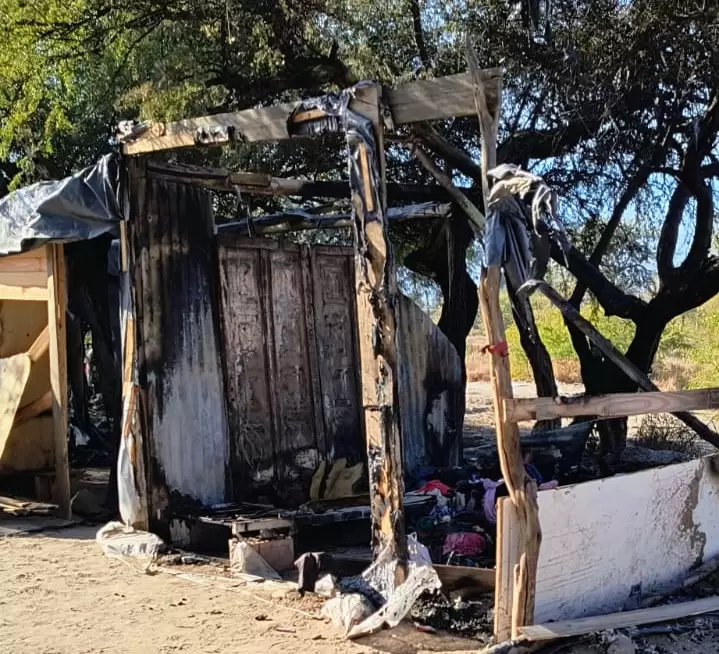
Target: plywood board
{"points": [[14, 373], [29, 447], [611, 543]]}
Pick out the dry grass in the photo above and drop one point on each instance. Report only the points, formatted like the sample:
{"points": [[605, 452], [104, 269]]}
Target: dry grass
{"points": [[672, 373]]}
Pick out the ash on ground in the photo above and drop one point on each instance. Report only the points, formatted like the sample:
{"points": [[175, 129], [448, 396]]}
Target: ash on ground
{"points": [[469, 619]]}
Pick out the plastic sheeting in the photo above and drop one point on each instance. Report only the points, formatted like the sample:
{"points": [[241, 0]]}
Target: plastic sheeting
{"points": [[77, 208]]}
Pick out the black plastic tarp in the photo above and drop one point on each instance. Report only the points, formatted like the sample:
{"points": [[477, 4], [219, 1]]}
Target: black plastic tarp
{"points": [[77, 208]]}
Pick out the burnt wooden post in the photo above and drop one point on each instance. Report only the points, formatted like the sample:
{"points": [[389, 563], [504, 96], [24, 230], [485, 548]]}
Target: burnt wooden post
{"points": [[522, 489], [376, 288]]}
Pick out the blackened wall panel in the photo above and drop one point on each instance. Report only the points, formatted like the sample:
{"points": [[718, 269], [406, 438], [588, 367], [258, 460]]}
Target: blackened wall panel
{"points": [[174, 274]]}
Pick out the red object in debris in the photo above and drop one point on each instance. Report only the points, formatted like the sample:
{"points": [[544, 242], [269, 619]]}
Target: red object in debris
{"points": [[464, 544], [500, 348], [435, 484]]}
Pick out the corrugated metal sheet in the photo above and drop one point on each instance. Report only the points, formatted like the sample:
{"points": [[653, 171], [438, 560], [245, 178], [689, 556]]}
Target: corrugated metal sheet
{"points": [[178, 355], [430, 388], [288, 326]]}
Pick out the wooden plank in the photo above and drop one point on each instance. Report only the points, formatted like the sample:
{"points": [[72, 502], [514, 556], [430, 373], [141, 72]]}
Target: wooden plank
{"points": [[625, 365], [454, 577], [58, 373], [34, 293], [583, 626], [25, 262], [32, 279], [507, 560], [486, 94], [306, 259], [613, 405], [434, 99], [658, 525], [376, 290], [439, 98], [40, 346], [14, 373], [33, 409], [250, 125]]}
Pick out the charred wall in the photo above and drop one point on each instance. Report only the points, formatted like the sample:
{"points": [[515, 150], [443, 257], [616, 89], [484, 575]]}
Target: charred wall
{"points": [[178, 356]]}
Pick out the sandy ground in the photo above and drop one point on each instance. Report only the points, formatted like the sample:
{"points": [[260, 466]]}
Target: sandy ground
{"points": [[61, 595]]}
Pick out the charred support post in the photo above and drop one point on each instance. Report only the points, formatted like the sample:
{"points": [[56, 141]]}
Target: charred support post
{"points": [[357, 112], [377, 323], [522, 489]]}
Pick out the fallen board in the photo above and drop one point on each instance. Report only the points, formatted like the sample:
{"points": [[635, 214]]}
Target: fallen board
{"points": [[610, 544], [583, 626], [29, 525], [14, 373]]}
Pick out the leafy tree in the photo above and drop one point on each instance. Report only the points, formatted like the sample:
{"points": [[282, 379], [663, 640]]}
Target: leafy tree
{"points": [[614, 102]]}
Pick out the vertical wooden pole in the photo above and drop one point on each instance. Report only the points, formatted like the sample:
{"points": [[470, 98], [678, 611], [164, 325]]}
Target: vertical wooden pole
{"points": [[56, 307], [522, 489], [376, 288]]}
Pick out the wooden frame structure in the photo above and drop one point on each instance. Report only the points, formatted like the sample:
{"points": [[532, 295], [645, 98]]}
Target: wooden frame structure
{"points": [[380, 109], [38, 277], [477, 92]]}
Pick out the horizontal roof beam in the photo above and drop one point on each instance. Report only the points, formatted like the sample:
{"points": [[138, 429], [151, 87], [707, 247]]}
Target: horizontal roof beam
{"points": [[425, 100], [220, 180]]}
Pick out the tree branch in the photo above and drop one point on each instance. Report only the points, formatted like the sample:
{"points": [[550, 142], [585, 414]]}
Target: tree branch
{"points": [[419, 34], [612, 299], [630, 192]]}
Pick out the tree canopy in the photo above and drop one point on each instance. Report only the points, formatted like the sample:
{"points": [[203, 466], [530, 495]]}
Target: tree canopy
{"points": [[614, 102]]}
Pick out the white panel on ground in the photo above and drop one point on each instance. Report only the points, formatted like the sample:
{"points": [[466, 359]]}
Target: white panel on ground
{"points": [[611, 543]]}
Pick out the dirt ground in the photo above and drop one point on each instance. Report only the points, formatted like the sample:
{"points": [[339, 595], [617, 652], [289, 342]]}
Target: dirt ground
{"points": [[61, 595]]}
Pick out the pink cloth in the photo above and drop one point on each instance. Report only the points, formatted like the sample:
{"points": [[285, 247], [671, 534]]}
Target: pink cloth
{"points": [[435, 484], [464, 544], [489, 501]]}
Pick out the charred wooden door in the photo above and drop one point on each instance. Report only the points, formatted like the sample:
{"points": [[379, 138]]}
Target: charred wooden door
{"points": [[289, 334]]}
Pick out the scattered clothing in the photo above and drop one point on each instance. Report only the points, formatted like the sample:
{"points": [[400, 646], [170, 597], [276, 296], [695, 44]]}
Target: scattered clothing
{"points": [[464, 544], [489, 502], [435, 484], [308, 565]]}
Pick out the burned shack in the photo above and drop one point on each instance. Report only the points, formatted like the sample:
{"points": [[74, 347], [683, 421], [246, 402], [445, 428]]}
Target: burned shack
{"points": [[258, 372]]}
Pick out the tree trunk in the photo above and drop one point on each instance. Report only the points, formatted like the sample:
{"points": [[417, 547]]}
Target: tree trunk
{"points": [[537, 354]]}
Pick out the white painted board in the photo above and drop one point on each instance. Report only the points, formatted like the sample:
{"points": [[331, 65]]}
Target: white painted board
{"points": [[609, 544]]}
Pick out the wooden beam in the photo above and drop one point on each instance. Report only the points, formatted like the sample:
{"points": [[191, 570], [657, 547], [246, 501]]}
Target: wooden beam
{"points": [[33, 293], [33, 409], [300, 220], [377, 324], [56, 309], [225, 181], [440, 98], [434, 99], [613, 405], [522, 489], [581, 626], [40, 345]]}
